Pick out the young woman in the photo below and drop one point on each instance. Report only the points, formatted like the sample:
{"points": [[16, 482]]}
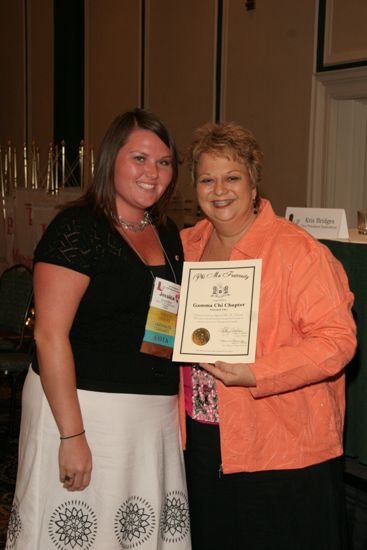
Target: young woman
{"points": [[100, 464]]}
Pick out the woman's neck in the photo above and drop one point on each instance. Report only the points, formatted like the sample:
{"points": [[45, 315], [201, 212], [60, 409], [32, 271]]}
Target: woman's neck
{"points": [[223, 239], [228, 233]]}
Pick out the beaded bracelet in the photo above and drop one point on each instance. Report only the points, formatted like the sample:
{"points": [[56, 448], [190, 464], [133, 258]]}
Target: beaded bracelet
{"points": [[71, 436]]}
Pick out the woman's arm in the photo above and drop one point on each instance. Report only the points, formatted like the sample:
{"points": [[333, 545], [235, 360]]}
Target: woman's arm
{"points": [[322, 336], [58, 292], [319, 304]]}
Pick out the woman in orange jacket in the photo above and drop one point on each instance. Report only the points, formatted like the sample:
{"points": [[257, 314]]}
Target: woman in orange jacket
{"points": [[264, 440]]}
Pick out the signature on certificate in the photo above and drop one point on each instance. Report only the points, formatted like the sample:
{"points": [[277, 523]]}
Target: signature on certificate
{"points": [[231, 330]]}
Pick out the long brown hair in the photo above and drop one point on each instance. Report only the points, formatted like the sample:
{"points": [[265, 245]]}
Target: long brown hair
{"points": [[100, 195]]}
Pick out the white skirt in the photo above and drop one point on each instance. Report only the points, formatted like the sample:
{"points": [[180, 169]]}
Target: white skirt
{"points": [[137, 496]]}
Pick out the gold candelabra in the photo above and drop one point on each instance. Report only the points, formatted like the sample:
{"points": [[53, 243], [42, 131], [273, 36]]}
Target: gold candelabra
{"points": [[57, 174]]}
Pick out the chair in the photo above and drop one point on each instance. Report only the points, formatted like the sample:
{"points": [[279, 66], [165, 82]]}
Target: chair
{"points": [[16, 339], [15, 302]]}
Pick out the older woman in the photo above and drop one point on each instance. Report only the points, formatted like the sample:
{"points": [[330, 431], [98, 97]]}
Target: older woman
{"points": [[264, 440], [100, 464]]}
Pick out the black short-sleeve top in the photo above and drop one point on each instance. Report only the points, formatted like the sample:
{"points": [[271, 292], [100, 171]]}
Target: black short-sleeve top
{"points": [[109, 324]]}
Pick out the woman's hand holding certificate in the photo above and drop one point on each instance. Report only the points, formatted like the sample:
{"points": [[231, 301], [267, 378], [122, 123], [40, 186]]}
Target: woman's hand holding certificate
{"points": [[231, 374]]}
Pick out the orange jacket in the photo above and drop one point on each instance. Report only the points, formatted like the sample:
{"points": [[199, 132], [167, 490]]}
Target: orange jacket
{"points": [[306, 335]]}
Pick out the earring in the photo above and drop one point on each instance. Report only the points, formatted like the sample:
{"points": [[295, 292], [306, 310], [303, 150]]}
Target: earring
{"points": [[254, 205]]}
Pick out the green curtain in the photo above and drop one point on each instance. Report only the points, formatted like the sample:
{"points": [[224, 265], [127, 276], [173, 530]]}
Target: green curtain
{"points": [[353, 256]]}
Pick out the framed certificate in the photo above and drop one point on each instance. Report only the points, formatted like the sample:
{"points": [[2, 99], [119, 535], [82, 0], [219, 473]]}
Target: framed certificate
{"points": [[218, 312]]}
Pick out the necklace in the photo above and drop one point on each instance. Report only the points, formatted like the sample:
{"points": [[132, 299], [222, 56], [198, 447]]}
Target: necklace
{"points": [[135, 227]]}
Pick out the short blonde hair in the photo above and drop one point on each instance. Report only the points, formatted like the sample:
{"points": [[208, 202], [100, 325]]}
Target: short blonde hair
{"points": [[227, 139]]}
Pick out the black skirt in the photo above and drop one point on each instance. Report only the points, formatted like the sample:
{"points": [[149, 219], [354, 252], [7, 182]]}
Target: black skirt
{"points": [[301, 509]]}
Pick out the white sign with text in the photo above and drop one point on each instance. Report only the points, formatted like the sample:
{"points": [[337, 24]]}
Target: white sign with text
{"points": [[322, 223]]}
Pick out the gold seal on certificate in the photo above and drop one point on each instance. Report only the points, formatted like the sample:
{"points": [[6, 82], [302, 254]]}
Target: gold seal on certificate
{"points": [[201, 336], [218, 312]]}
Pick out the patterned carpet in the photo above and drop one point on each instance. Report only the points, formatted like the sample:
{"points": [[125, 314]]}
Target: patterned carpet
{"points": [[8, 458]]}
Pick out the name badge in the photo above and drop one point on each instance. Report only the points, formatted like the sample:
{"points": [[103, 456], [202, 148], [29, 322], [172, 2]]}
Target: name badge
{"points": [[161, 321]]}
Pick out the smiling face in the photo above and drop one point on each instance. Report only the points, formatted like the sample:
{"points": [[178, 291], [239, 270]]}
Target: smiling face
{"points": [[143, 171], [225, 191]]}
